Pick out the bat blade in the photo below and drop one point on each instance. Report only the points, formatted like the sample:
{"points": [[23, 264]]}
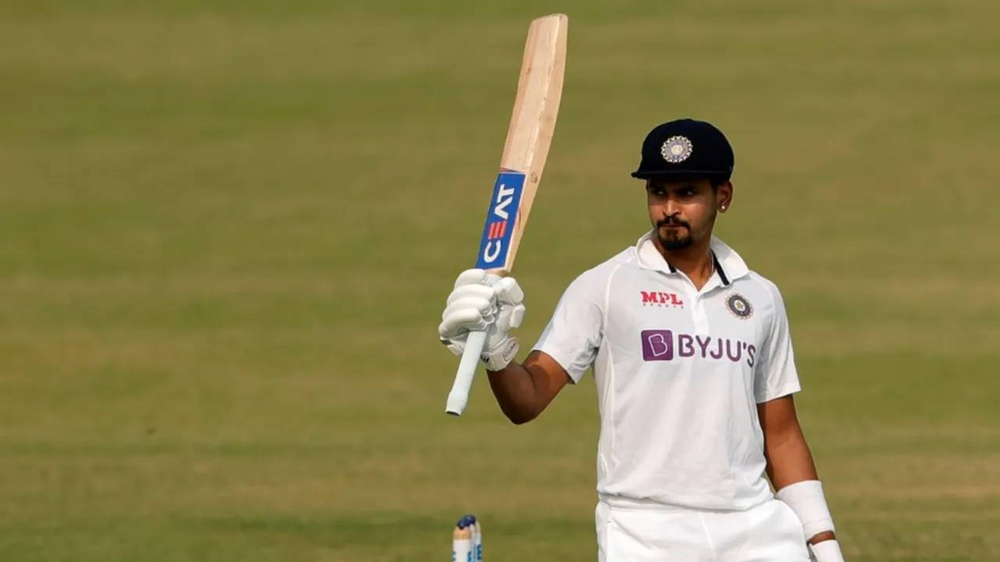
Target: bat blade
{"points": [[532, 124]]}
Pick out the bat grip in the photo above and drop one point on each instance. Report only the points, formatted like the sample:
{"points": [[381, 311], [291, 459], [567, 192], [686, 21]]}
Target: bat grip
{"points": [[459, 395]]}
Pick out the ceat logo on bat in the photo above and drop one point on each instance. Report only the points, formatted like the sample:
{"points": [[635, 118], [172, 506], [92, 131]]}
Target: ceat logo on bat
{"points": [[499, 227]]}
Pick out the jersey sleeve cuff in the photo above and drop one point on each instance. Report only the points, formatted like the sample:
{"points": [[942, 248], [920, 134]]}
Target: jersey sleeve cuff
{"points": [[564, 360], [775, 393]]}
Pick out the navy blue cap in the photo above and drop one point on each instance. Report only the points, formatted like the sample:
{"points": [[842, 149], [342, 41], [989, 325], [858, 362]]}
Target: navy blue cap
{"points": [[684, 149]]}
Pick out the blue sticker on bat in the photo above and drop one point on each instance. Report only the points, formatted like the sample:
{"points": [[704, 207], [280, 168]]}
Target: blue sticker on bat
{"points": [[500, 220]]}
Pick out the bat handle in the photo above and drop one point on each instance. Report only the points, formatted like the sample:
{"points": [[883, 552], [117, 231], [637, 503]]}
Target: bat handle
{"points": [[459, 395]]}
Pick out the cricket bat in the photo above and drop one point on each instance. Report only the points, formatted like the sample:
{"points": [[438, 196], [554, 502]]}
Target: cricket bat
{"points": [[532, 123]]}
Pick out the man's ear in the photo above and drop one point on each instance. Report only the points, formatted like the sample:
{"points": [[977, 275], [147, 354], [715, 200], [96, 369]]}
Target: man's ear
{"points": [[724, 196]]}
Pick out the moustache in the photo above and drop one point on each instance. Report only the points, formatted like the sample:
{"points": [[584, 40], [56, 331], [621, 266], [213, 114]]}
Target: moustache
{"points": [[672, 222]]}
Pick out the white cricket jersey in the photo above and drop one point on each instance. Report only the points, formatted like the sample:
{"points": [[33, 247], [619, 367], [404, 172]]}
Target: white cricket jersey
{"points": [[679, 373]]}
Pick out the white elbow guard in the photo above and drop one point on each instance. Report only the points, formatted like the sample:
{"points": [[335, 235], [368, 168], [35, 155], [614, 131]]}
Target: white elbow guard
{"points": [[807, 501]]}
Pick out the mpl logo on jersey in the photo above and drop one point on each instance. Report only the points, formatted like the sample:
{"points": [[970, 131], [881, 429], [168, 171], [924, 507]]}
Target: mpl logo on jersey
{"points": [[499, 228], [660, 298]]}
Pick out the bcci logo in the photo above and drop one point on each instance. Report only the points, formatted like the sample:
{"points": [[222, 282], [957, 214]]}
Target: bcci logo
{"points": [[739, 306], [676, 149]]}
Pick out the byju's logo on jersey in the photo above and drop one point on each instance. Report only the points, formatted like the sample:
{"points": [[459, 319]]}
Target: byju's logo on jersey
{"points": [[657, 345], [664, 345], [659, 298], [499, 227]]}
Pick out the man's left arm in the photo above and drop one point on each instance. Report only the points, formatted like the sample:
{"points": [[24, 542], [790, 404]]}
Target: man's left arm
{"points": [[792, 473]]}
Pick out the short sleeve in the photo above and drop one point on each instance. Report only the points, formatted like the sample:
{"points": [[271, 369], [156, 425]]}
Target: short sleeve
{"points": [[776, 375], [573, 335]]}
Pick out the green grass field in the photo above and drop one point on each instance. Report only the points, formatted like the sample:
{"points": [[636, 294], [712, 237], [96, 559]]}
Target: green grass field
{"points": [[228, 229]]}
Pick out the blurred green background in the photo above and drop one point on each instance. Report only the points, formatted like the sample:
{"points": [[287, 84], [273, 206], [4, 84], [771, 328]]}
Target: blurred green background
{"points": [[227, 230]]}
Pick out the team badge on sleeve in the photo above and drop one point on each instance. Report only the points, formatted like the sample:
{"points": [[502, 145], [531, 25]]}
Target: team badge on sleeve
{"points": [[739, 306], [676, 149]]}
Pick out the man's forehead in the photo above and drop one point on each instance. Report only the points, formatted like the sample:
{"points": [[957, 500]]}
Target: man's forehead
{"points": [[677, 183]]}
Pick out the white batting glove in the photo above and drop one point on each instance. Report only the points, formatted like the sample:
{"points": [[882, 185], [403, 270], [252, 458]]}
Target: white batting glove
{"points": [[483, 302]]}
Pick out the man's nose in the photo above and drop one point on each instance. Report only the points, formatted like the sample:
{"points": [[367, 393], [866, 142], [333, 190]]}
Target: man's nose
{"points": [[670, 208]]}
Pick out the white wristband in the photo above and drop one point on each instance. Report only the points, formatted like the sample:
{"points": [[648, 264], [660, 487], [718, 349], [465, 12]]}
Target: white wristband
{"points": [[827, 551], [807, 501]]}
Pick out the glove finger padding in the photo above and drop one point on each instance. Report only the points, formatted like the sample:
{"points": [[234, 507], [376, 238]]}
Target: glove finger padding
{"points": [[471, 305], [461, 322], [471, 277], [483, 306], [480, 291], [508, 291], [456, 345], [516, 316], [509, 298]]}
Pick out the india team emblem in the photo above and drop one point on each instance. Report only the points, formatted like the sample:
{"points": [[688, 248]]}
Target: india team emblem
{"points": [[739, 306], [676, 149]]}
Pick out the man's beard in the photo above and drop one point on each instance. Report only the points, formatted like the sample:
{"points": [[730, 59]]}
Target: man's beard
{"points": [[677, 238]]}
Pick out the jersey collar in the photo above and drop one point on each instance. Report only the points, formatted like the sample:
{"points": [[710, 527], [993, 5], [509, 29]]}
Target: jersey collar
{"points": [[729, 265]]}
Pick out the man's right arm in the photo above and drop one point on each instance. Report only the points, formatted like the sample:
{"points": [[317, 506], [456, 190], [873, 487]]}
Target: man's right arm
{"points": [[524, 390]]}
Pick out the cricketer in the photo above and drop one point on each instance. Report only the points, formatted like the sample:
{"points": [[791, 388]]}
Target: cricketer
{"points": [[695, 375]]}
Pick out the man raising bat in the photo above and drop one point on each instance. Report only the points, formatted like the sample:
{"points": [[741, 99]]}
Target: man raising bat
{"points": [[694, 368]]}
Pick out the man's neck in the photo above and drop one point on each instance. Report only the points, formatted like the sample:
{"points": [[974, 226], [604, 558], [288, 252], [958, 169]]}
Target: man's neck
{"points": [[695, 261]]}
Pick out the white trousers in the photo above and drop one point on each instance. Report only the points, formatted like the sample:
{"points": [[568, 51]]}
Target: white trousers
{"points": [[769, 532]]}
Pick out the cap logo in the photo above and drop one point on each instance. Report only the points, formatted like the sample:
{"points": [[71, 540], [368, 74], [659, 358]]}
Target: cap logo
{"points": [[676, 149]]}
